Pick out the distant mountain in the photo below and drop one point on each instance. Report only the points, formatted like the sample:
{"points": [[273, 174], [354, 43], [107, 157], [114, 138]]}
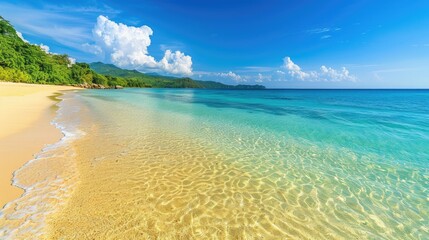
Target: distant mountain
{"points": [[158, 81], [21, 61]]}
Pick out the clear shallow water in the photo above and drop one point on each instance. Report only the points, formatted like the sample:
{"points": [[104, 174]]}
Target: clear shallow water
{"points": [[336, 164], [48, 180]]}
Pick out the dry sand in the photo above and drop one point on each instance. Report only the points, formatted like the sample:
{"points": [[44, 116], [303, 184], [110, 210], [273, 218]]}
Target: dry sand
{"points": [[26, 112]]}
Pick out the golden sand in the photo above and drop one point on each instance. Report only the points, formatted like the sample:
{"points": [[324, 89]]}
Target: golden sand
{"points": [[147, 182], [26, 111], [142, 177], [131, 174]]}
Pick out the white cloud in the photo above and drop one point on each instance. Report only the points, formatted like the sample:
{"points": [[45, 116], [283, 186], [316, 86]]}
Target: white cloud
{"points": [[295, 70], [279, 76], [256, 69], [171, 46], [219, 76], [318, 30], [263, 78], [323, 30], [127, 46], [334, 75], [94, 49], [260, 78], [68, 29], [20, 36], [325, 36], [325, 74], [379, 74], [176, 63], [44, 48], [231, 75], [289, 71], [72, 61]]}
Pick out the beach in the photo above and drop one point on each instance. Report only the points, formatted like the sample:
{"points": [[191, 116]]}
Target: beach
{"points": [[214, 120], [228, 164], [26, 112]]}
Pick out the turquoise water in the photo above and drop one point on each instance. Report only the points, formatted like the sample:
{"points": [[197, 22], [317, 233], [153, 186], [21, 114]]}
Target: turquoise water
{"points": [[256, 164], [393, 124], [318, 163], [324, 163]]}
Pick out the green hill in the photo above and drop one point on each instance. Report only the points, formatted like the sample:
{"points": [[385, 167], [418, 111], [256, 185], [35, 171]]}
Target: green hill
{"points": [[138, 79], [21, 61]]}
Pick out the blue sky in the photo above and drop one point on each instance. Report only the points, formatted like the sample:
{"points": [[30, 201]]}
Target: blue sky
{"points": [[286, 44]]}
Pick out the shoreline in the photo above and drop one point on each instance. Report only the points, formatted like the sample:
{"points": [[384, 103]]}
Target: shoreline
{"points": [[25, 129]]}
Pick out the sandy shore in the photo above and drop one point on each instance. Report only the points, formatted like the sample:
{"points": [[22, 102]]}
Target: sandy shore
{"points": [[26, 111]]}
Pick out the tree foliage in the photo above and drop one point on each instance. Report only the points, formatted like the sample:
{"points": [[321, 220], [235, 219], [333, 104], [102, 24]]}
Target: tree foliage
{"points": [[21, 61], [137, 79]]}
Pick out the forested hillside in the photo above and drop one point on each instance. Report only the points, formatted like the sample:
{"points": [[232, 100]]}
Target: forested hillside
{"points": [[138, 79], [21, 61]]}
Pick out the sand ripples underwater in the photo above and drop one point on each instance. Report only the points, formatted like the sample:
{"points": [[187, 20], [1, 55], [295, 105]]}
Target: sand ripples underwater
{"points": [[154, 167]]}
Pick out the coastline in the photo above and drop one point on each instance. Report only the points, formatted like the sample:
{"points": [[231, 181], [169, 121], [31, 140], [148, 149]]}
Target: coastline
{"points": [[123, 169], [25, 128]]}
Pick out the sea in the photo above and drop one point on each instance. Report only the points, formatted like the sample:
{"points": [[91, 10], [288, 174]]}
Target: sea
{"points": [[229, 164]]}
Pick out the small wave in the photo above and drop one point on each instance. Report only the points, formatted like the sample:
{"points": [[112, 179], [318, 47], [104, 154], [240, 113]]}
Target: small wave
{"points": [[47, 180]]}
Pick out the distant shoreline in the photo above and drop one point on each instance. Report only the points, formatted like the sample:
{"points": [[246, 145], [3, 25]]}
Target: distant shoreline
{"points": [[277, 89]]}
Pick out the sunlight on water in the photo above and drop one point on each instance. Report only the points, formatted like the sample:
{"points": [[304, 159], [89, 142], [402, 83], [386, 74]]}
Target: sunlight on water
{"points": [[183, 164]]}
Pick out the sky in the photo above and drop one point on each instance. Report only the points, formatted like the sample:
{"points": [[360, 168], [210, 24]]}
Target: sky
{"points": [[279, 44]]}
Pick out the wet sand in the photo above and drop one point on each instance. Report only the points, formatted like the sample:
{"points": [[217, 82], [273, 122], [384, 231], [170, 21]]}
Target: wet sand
{"points": [[123, 170], [26, 112]]}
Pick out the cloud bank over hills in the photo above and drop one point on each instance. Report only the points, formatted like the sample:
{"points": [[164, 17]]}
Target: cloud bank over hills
{"points": [[127, 47]]}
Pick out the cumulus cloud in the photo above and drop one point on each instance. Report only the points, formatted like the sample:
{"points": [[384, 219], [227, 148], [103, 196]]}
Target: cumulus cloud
{"points": [[289, 71], [295, 70], [335, 75], [325, 73], [127, 46], [219, 76], [176, 63], [231, 75]]}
